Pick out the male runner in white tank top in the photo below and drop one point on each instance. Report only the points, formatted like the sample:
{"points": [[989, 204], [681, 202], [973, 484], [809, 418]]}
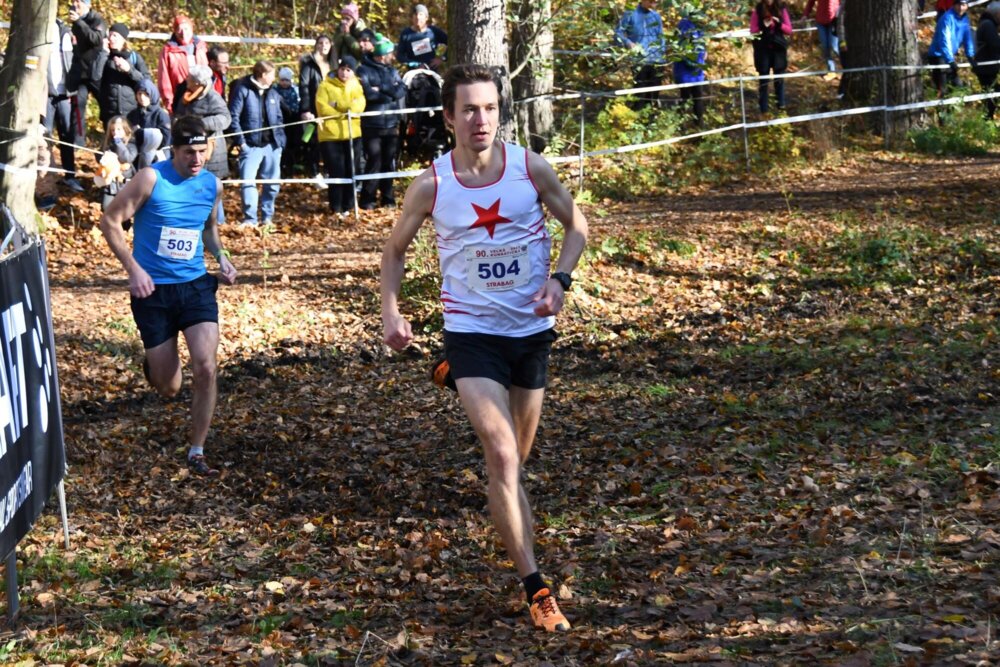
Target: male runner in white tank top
{"points": [[499, 299]]}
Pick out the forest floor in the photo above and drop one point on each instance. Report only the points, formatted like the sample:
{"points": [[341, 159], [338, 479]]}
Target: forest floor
{"points": [[771, 436]]}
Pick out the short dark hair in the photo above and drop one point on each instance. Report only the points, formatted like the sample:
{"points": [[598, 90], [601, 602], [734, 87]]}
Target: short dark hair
{"points": [[262, 67], [461, 75], [185, 128], [215, 52]]}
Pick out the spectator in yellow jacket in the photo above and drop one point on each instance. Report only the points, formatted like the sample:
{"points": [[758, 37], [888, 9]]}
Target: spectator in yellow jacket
{"points": [[340, 138]]}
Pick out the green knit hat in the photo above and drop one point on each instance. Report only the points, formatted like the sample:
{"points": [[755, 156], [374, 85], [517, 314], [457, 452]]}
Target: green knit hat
{"points": [[383, 45]]}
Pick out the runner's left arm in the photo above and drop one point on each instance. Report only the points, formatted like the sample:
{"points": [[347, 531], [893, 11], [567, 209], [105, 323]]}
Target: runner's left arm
{"points": [[213, 244], [557, 199]]}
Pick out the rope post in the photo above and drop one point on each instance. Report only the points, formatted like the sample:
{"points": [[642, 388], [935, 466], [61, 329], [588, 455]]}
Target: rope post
{"points": [[746, 138], [354, 182], [61, 493], [13, 604], [885, 105], [583, 125]]}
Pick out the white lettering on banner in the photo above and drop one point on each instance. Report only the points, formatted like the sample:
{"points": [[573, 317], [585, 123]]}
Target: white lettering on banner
{"points": [[11, 501], [17, 399], [14, 404]]}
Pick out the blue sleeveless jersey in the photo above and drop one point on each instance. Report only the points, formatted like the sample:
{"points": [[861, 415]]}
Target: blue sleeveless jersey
{"points": [[168, 227]]}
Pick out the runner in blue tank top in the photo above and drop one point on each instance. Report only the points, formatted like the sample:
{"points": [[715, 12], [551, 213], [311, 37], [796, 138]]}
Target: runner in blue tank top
{"points": [[499, 299], [174, 205]]}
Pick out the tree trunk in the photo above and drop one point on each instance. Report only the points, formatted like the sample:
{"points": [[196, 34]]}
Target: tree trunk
{"points": [[884, 33], [23, 80], [476, 34], [531, 53]]}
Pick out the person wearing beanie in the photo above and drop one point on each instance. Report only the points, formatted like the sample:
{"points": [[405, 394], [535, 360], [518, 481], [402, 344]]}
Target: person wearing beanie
{"points": [[121, 73], [84, 77], [290, 108], [340, 138], [367, 42], [181, 52], [196, 96], [176, 199], [420, 42], [347, 38], [150, 125], [383, 88]]}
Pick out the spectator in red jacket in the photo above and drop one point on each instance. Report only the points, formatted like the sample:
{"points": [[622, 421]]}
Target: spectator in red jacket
{"points": [[826, 26], [180, 52]]}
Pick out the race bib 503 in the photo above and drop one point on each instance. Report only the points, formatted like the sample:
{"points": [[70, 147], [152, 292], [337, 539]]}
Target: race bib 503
{"points": [[178, 243]]}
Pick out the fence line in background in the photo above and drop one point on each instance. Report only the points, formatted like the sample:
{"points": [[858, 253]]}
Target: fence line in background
{"points": [[742, 33]]}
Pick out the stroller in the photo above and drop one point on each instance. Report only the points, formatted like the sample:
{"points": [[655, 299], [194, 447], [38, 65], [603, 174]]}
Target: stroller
{"points": [[423, 133]]}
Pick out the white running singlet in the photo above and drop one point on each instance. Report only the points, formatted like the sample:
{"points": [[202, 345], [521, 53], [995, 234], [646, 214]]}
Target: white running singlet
{"points": [[493, 247]]}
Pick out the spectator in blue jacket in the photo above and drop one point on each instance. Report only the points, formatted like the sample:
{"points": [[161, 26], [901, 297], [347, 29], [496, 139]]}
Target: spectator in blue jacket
{"points": [[951, 33], [255, 107], [641, 30], [419, 42], [690, 64], [380, 134]]}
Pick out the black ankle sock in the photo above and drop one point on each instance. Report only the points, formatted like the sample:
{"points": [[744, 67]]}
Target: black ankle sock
{"points": [[534, 583]]}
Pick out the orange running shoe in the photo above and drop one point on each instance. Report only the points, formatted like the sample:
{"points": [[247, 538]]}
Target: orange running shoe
{"points": [[441, 375], [545, 612]]}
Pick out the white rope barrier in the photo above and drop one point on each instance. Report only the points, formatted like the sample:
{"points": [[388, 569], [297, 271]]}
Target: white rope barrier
{"points": [[607, 151]]}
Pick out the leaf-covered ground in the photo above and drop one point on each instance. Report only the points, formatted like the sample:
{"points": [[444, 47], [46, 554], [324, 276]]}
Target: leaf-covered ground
{"points": [[771, 437]]}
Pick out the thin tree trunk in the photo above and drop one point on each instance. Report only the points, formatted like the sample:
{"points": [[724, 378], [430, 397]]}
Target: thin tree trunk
{"points": [[23, 80], [531, 51], [477, 34], [883, 34]]}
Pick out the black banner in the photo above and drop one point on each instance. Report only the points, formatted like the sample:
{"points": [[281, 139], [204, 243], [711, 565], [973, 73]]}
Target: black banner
{"points": [[32, 455]]}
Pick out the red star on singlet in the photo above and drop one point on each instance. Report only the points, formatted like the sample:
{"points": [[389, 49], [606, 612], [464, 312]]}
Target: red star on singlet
{"points": [[489, 217]]}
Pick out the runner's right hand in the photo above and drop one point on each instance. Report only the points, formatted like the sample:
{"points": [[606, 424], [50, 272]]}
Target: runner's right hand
{"points": [[140, 285], [397, 333]]}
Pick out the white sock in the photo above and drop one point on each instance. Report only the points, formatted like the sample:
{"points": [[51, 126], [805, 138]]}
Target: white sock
{"points": [[196, 451]]}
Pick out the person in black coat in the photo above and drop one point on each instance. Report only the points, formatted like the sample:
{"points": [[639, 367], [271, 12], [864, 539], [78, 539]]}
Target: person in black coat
{"points": [[123, 70], [150, 124], [380, 134], [988, 52], [313, 68], [89, 31]]}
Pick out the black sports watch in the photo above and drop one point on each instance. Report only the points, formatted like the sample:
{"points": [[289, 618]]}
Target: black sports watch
{"points": [[563, 279]]}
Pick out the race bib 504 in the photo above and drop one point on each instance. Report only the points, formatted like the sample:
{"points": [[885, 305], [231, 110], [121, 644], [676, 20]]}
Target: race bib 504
{"points": [[496, 268]]}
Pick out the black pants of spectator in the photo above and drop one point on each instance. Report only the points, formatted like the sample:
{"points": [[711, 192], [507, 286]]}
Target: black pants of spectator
{"points": [[311, 155], [988, 80], [337, 158], [697, 95], [646, 76], [292, 155], [767, 61], [59, 114], [943, 77], [80, 115], [380, 157]]}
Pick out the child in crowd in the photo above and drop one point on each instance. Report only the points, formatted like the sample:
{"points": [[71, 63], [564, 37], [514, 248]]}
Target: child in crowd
{"points": [[150, 125], [340, 93], [117, 165], [292, 155]]}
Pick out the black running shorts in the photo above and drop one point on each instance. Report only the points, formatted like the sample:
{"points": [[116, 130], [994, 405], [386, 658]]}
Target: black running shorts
{"points": [[522, 362], [173, 308]]}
